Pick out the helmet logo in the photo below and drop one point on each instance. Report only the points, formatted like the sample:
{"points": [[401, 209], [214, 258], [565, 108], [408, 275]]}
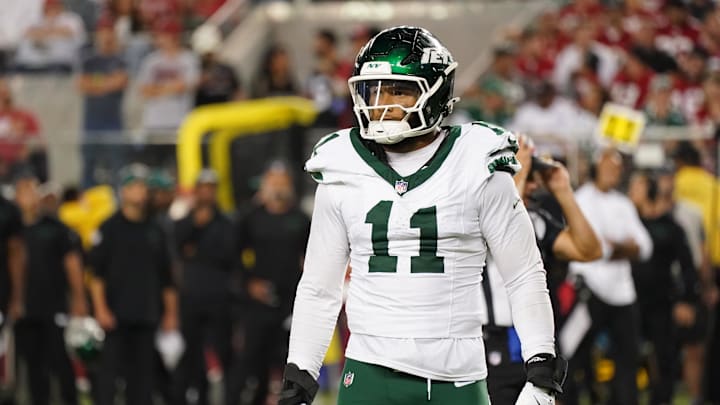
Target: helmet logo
{"points": [[376, 68], [435, 55]]}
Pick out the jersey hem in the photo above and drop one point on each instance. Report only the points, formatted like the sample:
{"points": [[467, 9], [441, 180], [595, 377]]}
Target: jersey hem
{"points": [[403, 368]]}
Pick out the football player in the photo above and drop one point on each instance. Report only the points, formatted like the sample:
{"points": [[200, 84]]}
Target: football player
{"points": [[415, 207]]}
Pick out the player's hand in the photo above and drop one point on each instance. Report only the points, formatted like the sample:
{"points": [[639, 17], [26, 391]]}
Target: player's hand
{"points": [[532, 395], [299, 387], [545, 377]]}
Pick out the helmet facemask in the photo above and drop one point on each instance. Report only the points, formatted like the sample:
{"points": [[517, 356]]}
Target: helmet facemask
{"points": [[408, 115]]}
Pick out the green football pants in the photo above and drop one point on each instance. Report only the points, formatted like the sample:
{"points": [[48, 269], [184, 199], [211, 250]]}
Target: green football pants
{"points": [[369, 384]]}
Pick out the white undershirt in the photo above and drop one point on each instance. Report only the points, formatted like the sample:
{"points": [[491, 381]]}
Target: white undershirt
{"points": [[407, 163]]}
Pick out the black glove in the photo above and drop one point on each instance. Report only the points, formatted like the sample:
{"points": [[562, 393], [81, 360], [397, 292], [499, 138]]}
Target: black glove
{"points": [[546, 371], [299, 387]]}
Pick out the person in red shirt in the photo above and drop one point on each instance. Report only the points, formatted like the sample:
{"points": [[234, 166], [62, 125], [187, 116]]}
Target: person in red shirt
{"points": [[688, 94], [533, 62], [679, 33], [19, 129], [630, 86], [578, 12], [612, 31]]}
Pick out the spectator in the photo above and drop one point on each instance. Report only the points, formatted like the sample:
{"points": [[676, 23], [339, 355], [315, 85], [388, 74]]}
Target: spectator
{"points": [[102, 83], [577, 13], [276, 75], [591, 97], [534, 62], [53, 290], [631, 85], [207, 250], [694, 185], [574, 56], [612, 304], [688, 94], [645, 48], [53, 43], [709, 113], [271, 282], [693, 337], [503, 69], [132, 293], [218, 81], [611, 29], [710, 33], [12, 262], [19, 137], [539, 118], [327, 85], [658, 107], [666, 302], [130, 30], [489, 103], [680, 33], [15, 19], [168, 78]]}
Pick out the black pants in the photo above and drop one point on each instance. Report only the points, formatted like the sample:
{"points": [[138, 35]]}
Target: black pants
{"points": [[622, 324], [505, 378], [659, 329], [265, 346], [128, 353], [40, 343], [205, 323]]}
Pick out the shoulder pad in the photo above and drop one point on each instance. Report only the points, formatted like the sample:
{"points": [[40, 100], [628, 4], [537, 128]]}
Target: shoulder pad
{"points": [[328, 157], [496, 145]]}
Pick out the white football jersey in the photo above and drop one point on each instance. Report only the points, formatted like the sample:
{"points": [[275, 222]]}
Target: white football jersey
{"points": [[416, 245]]}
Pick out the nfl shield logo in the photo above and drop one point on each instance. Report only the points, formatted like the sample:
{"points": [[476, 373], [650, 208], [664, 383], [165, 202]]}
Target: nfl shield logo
{"points": [[348, 379], [401, 186]]}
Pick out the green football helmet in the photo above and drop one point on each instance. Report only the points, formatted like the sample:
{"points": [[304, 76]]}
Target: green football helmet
{"points": [[402, 69]]}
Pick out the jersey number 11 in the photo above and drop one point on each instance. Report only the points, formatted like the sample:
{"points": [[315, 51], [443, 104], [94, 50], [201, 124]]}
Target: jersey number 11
{"points": [[424, 219]]}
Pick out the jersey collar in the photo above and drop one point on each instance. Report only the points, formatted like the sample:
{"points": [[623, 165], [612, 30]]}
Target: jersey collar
{"points": [[404, 184]]}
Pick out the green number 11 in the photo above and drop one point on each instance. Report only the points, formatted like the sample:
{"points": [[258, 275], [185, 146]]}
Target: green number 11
{"points": [[424, 219]]}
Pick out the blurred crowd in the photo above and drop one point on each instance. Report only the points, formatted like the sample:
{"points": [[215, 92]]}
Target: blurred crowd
{"points": [[660, 57], [161, 48], [186, 295]]}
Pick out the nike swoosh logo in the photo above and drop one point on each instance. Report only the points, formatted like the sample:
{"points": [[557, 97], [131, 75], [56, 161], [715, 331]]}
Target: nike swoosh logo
{"points": [[516, 203], [460, 384]]}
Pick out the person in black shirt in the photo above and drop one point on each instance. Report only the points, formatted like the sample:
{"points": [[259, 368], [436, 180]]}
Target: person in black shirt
{"points": [[666, 302], [132, 292], [218, 81], [556, 241], [206, 245], [12, 262], [276, 231], [54, 273]]}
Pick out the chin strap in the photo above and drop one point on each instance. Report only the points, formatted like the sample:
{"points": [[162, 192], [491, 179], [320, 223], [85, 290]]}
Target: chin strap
{"points": [[547, 371]]}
